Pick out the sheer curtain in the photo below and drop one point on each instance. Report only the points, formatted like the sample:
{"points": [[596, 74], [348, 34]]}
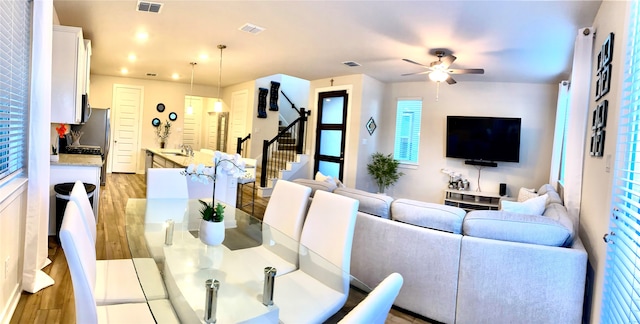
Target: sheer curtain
{"points": [[37, 223], [577, 119]]}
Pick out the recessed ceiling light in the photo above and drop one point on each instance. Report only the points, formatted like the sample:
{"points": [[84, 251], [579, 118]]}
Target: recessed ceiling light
{"points": [[251, 28], [204, 57], [142, 36], [132, 57], [175, 76], [124, 71]]}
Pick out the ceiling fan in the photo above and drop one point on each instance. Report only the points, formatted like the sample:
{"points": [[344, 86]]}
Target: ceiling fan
{"points": [[439, 70]]}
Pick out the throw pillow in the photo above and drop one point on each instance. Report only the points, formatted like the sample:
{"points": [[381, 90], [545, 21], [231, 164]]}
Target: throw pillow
{"points": [[525, 194], [533, 206], [325, 178]]}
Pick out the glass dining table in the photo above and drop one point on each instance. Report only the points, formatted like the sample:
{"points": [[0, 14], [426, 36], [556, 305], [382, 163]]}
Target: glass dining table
{"points": [[186, 263]]}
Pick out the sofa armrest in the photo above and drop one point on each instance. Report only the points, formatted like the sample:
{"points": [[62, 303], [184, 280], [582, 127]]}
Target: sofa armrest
{"points": [[316, 185]]}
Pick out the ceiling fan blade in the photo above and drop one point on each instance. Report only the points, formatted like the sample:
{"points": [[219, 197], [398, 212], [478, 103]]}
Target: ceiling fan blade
{"points": [[448, 60], [466, 71], [450, 80], [416, 73], [414, 62]]}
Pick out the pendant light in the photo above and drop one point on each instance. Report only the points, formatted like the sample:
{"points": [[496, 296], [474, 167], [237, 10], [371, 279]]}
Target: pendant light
{"points": [[190, 107], [217, 106]]}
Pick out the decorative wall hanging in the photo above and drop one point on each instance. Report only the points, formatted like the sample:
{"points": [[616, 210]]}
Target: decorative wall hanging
{"points": [[603, 68], [273, 97], [173, 116], [160, 107], [598, 124], [155, 122], [262, 102], [371, 126]]}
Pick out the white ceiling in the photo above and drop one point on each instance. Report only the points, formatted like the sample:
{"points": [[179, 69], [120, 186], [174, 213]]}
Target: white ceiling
{"points": [[514, 41]]}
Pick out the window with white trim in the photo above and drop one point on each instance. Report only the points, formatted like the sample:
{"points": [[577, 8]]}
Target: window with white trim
{"points": [[621, 293], [15, 53], [407, 138]]}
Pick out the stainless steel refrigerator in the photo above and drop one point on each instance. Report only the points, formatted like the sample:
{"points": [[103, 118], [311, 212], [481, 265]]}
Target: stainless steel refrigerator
{"points": [[96, 132]]}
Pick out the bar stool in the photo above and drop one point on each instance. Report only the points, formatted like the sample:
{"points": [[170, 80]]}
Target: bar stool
{"points": [[249, 178]]}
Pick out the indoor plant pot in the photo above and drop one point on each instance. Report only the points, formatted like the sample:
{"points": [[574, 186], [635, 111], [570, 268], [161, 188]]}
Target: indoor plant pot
{"points": [[212, 224]]}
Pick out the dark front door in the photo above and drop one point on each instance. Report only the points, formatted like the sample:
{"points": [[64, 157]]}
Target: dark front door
{"points": [[330, 133]]}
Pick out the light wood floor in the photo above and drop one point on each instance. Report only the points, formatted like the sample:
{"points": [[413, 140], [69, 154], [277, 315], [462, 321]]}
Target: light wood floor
{"points": [[55, 304]]}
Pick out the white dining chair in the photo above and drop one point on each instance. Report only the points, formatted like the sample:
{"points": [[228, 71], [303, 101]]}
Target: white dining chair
{"points": [[281, 228], [375, 308], [143, 270], [81, 258], [166, 183], [320, 287]]}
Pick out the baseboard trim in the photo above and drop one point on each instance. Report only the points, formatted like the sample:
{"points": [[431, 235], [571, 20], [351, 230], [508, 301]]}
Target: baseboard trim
{"points": [[10, 308]]}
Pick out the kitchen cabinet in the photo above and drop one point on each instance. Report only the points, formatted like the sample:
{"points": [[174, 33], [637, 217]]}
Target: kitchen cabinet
{"points": [[68, 75]]}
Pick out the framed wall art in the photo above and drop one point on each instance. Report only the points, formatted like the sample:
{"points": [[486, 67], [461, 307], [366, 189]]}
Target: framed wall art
{"points": [[371, 126]]}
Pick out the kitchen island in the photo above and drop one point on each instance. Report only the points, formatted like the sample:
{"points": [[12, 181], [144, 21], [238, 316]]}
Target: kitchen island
{"points": [[173, 158], [71, 168]]}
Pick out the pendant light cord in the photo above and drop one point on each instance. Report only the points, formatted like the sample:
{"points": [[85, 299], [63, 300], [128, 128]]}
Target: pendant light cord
{"points": [[193, 64], [221, 47]]}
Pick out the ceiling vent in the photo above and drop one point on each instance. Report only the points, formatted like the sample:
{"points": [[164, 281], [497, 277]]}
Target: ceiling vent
{"points": [[251, 29], [351, 63], [147, 6], [152, 74]]}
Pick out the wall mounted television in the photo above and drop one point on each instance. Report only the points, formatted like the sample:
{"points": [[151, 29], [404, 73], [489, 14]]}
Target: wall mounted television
{"points": [[494, 139]]}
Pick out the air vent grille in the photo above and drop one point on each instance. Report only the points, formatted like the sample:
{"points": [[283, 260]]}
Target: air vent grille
{"points": [[147, 6], [251, 28], [152, 74], [351, 63]]}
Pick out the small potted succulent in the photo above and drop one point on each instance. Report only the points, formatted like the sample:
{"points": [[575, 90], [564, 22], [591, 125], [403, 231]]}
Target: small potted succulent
{"points": [[212, 224]]}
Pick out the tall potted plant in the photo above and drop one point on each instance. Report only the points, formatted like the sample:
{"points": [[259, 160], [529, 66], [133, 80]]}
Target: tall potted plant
{"points": [[384, 170]]}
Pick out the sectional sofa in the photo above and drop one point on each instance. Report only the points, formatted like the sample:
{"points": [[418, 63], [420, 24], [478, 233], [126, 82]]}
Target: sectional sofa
{"points": [[476, 267]]}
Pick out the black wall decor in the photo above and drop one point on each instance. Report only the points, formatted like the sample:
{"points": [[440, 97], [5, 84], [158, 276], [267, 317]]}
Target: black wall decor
{"points": [[603, 83], [603, 68]]}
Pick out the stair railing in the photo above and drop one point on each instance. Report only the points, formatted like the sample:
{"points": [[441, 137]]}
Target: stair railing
{"points": [[241, 147], [275, 157]]}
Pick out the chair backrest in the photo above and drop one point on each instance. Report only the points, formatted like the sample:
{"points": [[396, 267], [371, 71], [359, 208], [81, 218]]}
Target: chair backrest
{"points": [[287, 208], [81, 258], [327, 238], [375, 308], [166, 183], [79, 196]]}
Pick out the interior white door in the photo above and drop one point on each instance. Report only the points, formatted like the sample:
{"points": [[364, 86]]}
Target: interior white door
{"points": [[238, 118], [127, 106], [192, 122], [212, 131]]}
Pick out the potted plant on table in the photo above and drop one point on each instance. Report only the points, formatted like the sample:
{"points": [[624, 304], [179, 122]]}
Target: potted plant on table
{"points": [[212, 224], [384, 170]]}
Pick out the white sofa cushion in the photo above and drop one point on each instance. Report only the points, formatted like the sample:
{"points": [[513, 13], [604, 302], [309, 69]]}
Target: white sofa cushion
{"points": [[525, 194], [316, 185], [434, 216], [532, 206], [370, 203], [513, 227]]}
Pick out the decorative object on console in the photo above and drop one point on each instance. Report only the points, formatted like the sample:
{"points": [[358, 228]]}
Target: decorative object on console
{"points": [[384, 170], [231, 165], [75, 137], [371, 126], [163, 132], [599, 122]]}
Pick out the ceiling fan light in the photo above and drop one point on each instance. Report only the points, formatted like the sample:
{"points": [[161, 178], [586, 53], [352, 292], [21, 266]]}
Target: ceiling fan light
{"points": [[438, 76]]}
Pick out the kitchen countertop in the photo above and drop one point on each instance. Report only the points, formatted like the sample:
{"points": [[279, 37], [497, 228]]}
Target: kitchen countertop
{"points": [[79, 160], [177, 157]]}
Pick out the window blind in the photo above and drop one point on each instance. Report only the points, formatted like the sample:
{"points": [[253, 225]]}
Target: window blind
{"points": [[15, 53], [621, 293], [407, 138]]}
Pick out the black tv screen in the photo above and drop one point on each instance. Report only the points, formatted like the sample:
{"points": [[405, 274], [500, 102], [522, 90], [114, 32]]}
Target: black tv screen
{"points": [[495, 139]]}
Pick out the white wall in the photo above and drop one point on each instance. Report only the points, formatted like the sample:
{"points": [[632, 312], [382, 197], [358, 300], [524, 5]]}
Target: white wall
{"points": [[534, 103], [170, 93], [596, 181]]}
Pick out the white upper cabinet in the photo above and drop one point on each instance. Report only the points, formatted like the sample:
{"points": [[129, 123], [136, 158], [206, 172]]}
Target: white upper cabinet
{"points": [[69, 75]]}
